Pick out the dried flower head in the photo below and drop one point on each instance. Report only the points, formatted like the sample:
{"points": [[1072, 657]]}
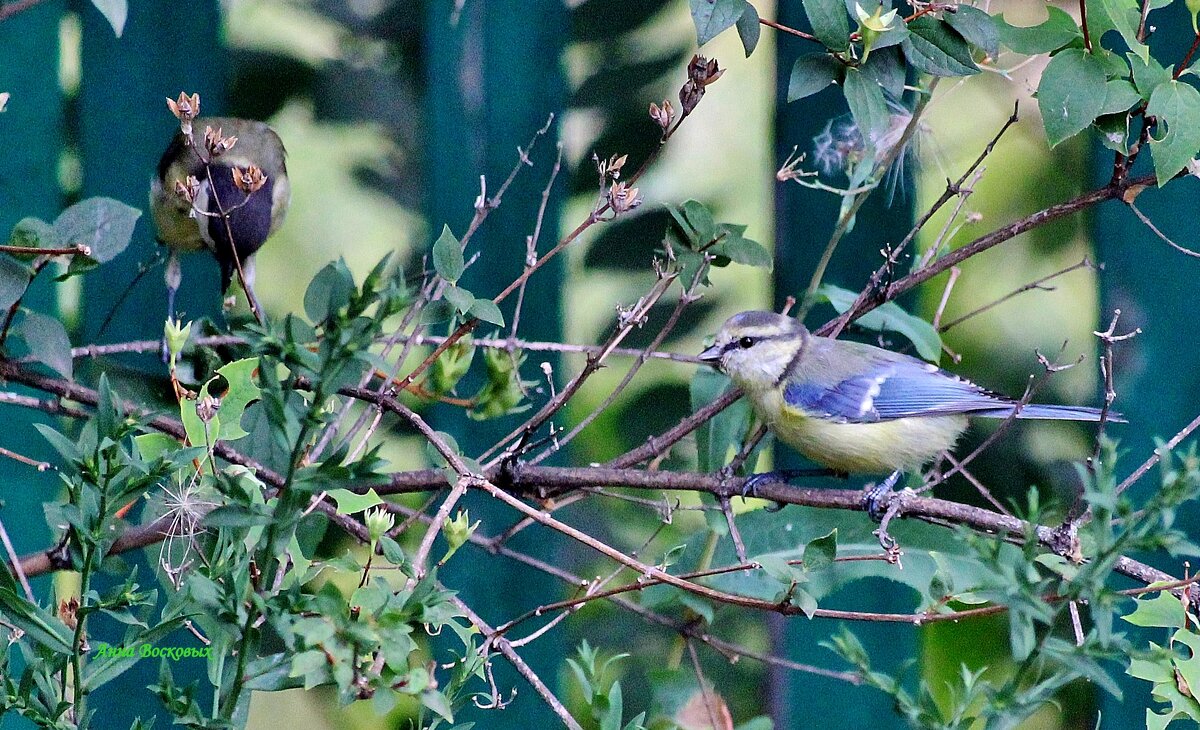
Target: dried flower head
{"points": [[185, 108], [68, 611], [206, 407], [701, 73], [704, 71], [662, 115], [249, 179], [623, 199], [610, 168], [216, 143], [188, 189]]}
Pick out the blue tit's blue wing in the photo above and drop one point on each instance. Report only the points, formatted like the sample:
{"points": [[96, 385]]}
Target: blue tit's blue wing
{"points": [[891, 389]]}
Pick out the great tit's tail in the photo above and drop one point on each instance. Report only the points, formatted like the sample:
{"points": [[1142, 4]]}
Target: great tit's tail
{"points": [[1052, 413]]}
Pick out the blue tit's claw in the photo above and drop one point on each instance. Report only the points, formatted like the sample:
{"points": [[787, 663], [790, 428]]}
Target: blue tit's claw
{"points": [[750, 486], [877, 498]]}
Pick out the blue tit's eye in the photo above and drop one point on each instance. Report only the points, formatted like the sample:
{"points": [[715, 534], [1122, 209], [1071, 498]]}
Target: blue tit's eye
{"points": [[746, 342]]}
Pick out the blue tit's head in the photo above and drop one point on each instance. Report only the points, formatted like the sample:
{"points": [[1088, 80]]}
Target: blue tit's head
{"points": [[755, 348]]}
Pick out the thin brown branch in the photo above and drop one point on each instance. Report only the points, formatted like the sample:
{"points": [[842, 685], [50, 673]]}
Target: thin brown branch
{"points": [[656, 445], [76, 250], [1112, 191], [1187, 58], [634, 317], [7, 10], [1156, 457], [877, 279], [685, 298], [785, 29], [512, 657], [1154, 229], [15, 563], [1039, 284]]}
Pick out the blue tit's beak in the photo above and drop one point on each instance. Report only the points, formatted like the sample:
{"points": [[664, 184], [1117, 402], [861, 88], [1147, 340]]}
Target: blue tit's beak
{"points": [[712, 356]]}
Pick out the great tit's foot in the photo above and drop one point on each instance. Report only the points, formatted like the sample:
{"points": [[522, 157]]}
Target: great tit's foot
{"points": [[877, 497]]}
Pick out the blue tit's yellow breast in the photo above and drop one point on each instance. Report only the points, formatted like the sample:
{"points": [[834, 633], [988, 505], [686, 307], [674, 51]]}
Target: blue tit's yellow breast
{"points": [[905, 444]]}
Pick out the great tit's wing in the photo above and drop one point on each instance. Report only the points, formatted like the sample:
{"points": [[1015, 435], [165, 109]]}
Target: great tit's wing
{"points": [[887, 390]]}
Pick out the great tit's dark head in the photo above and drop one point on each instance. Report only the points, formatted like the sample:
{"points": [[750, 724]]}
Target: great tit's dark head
{"points": [[754, 348]]}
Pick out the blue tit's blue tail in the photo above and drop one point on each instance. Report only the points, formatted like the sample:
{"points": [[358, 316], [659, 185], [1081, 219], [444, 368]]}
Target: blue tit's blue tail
{"points": [[1051, 413]]}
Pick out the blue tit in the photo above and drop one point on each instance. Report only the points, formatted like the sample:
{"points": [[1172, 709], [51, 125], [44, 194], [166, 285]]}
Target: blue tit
{"points": [[239, 197], [854, 407]]}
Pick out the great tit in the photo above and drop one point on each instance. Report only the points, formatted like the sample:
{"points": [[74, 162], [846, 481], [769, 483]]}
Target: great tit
{"points": [[221, 185], [853, 407]]}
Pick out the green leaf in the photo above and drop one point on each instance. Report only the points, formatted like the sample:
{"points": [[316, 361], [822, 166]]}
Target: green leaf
{"points": [[1163, 611], [14, 279], [1124, 16], [460, 298], [867, 104], [1071, 94], [235, 515], [819, 553], [1114, 132], [242, 391], [351, 503], [1177, 105], [102, 224], [1058, 30], [34, 233], [712, 17], [437, 702], [42, 627], [226, 425], [830, 22], [115, 12], [328, 291], [700, 219], [47, 340], [486, 310], [811, 73], [977, 27], [936, 48], [886, 67], [1148, 75], [749, 29], [1119, 96], [888, 317], [720, 438], [437, 312], [448, 257]]}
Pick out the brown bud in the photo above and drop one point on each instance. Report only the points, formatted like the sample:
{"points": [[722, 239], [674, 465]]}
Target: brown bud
{"points": [[623, 199], [185, 108], [701, 73], [188, 189], [249, 179], [206, 408], [68, 611], [216, 143], [704, 71], [662, 115]]}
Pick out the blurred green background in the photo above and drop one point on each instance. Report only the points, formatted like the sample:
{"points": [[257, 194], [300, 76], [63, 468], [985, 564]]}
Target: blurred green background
{"points": [[392, 109]]}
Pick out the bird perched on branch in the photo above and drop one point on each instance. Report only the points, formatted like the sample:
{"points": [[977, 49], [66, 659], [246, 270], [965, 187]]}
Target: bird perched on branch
{"points": [[853, 407], [222, 186]]}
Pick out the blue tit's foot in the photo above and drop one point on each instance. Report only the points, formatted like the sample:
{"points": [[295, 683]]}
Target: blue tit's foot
{"points": [[752, 483], [877, 497]]}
